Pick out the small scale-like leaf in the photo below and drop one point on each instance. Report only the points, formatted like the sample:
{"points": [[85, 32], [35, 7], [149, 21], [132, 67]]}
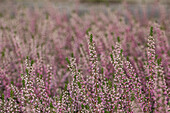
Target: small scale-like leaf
{"points": [[151, 31], [68, 61]]}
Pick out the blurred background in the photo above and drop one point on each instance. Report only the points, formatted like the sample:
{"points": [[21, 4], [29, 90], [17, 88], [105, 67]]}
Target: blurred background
{"points": [[85, 5], [151, 8]]}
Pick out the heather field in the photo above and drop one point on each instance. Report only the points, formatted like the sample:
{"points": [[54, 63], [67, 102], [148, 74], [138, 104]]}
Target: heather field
{"points": [[76, 57]]}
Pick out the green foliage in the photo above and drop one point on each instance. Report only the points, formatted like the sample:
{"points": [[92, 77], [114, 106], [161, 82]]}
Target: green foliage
{"points": [[118, 39], [99, 100], [147, 78], [3, 53], [110, 83], [82, 106], [91, 38], [2, 96], [32, 62], [102, 70], [132, 97], [115, 107], [12, 93], [87, 31], [115, 86], [79, 84], [121, 51], [72, 54], [87, 106], [111, 56], [68, 61], [65, 87], [127, 58], [26, 70], [75, 77], [159, 61], [51, 105], [151, 31], [23, 83]]}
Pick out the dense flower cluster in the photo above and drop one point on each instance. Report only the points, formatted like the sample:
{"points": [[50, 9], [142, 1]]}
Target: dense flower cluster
{"points": [[114, 66], [122, 93]]}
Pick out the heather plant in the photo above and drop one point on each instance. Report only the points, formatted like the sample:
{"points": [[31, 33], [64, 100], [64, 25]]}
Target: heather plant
{"points": [[47, 36], [53, 36], [94, 92]]}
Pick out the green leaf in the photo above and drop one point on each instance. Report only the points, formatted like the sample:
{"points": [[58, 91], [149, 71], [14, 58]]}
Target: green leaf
{"points": [[56, 99], [26, 71], [22, 75], [159, 61], [23, 83], [87, 31], [133, 97], [118, 39], [65, 87], [115, 107], [110, 83], [36, 106], [51, 105], [2, 53], [81, 45], [121, 51], [91, 38], [147, 78], [112, 47], [2, 97], [32, 61], [106, 34], [156, 56], [87, 106], [115, 86], [99, 100], [82, 106], [111, 56], [41, 76], [72, 54], [79, 84], [75, 77], [97, 85], [12, 82], [70, 99], [106, 111], [41, 101], [124, 80], [11, 93], [136, 76], [127, 58], [102, 71], [38, 74], [113, 75], [159, 74], [61, 97], [68, 61], [151, 31]]}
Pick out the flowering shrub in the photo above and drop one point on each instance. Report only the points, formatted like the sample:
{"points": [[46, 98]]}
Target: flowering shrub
{"points": [[94, 92], [114, 67]]}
